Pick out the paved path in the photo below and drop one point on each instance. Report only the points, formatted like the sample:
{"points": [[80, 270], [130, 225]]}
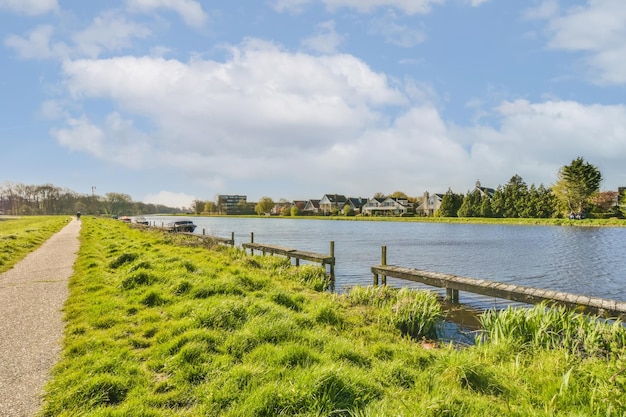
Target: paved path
{"points": [[31, 322]]}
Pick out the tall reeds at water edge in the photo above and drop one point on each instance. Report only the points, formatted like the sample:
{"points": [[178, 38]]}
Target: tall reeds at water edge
{"points": [[544, 327], [414, 313]]}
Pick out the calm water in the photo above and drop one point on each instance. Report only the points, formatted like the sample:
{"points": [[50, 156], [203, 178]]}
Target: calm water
{"points": [[578, 260]]}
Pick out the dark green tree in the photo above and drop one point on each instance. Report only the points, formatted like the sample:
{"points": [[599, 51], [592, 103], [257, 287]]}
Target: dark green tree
{"points": [[497, 202], [515, 195], [470, 207], [450, 204], [546, 203], [576, 184], [485, 206]]}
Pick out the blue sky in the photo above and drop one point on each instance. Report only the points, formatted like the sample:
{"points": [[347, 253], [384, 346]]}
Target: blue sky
{"points": [[174, 100]]}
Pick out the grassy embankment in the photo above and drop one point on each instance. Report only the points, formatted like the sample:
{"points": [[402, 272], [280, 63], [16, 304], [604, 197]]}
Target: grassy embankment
{"points": [[156, 328], [21, 235]]}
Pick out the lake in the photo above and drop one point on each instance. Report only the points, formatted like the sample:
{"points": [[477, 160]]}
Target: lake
{"points": [[579, 260]]}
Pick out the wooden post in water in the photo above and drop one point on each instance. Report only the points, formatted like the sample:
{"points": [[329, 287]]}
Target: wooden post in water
{"points": [[332, 265], [384, 263], [232, 238], [203, 231], [251, 241]]}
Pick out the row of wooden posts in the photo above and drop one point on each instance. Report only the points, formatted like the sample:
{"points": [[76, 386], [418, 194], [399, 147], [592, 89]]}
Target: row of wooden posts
{"points": [[451, 283]]}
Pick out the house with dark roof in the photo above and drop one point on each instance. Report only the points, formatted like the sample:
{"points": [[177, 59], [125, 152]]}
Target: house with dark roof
{"points": [[484, 191], [356, 204], [312, 207], [387, 207], [332, 203]]}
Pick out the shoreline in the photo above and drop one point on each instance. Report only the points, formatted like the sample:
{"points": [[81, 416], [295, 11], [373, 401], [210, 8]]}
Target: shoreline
{"points": [[613, 222]]}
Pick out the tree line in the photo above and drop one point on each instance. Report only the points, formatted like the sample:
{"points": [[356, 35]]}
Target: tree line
{"points": [[576, 194], [48, 199]]}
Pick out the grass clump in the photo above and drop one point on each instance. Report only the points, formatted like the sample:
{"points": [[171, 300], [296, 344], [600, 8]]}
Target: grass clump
{"points": [[415, 313], [182, 330], [543, 327]]}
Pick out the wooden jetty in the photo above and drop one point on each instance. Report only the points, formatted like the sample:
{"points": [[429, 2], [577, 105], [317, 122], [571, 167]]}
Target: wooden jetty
{"points": [[294, 253], [453, 284]]}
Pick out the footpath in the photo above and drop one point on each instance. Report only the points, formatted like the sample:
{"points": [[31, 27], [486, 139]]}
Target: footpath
{"points": [[32, 295]]}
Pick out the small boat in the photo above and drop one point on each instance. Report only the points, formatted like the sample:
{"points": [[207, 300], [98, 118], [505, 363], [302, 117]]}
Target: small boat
{"points": [[142, 220], [125, 219], [181, 226]]}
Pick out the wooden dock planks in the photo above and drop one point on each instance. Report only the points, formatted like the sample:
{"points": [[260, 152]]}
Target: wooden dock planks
{"points": [[528, 295]]}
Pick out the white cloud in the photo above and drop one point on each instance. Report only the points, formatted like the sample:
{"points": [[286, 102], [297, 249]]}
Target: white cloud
{"points": [[37, 44], [545, 10], [598, 30], [170, 199], [326, 40], [535, 139], [30, 7], [189, 10], [108, 32], [263, 100], [409, 7], [395, 33], [117, 140], [81, 135], [320, 122], [477, 3], [291, 6]]}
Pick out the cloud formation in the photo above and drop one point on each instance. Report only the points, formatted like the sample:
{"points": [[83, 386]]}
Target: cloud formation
{"points": [[598, 30], [189, 10], [410, 7], [29, 7], [270, 112], [321, 111]]}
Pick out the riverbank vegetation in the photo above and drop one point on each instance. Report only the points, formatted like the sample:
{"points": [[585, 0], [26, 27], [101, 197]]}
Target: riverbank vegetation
{"points": [[158, 326], [20, 236]]}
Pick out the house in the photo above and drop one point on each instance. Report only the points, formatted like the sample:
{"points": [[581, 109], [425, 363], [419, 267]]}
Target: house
{"points": [[299, 204], [277, 210], [332, 203], [372, 206], [356, 204], [387, 207], [484, 191], [430, 204], [312, 207]]}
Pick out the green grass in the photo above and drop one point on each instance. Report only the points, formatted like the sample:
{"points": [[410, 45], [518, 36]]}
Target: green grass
{"points": [[156, 327], [21, 235], [613, 222]]}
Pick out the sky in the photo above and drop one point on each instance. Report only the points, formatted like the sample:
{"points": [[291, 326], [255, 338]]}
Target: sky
{"points": [[170, 101]]}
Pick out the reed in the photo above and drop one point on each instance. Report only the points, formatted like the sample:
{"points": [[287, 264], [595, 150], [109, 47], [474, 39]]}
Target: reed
{"points": [[543, 327]]}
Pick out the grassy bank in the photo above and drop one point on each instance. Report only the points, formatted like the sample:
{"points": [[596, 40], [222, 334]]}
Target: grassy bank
{"points": [[614, 222], [159, 327], [21, 235]]}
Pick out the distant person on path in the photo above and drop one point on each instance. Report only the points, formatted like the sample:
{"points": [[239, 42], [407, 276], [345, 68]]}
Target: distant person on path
{"points": [[78, 215]]}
